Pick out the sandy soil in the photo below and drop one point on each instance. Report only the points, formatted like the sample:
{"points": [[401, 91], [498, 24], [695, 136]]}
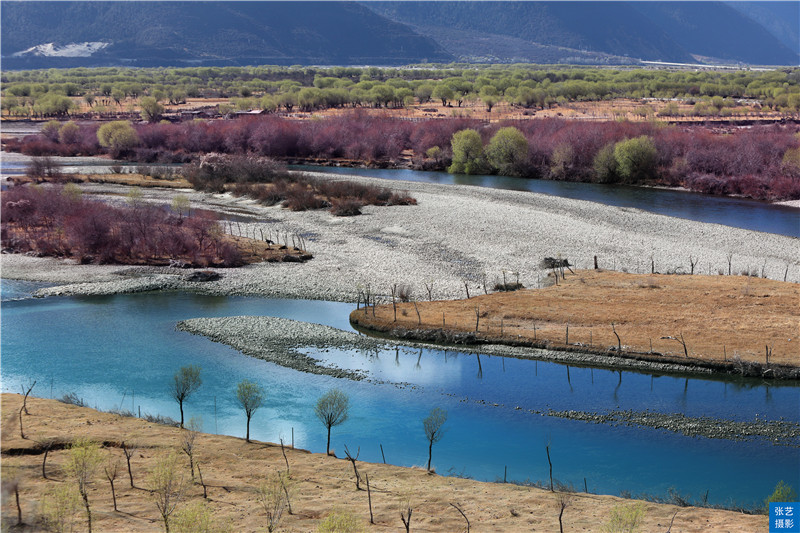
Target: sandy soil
{"points": [[719, 317], [232, 469]]}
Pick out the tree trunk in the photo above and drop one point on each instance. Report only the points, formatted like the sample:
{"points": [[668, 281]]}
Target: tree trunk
{"points": [[113, 493], [430, 454], [246, 438], [328, 446], [180, 404], [88, 511]]}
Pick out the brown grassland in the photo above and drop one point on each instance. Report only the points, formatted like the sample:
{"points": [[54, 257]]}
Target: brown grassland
{"points": [[232, 469], [615, 109], [718, 317]]}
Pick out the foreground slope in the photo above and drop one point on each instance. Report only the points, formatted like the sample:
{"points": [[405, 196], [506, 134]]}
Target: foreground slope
{"points": [[232, 470]]}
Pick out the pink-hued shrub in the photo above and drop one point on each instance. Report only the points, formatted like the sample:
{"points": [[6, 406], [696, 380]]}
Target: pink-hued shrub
{"points": [[49, 221]]}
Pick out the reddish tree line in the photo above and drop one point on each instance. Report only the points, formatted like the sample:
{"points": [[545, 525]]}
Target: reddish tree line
{"points": [[744, 161]]}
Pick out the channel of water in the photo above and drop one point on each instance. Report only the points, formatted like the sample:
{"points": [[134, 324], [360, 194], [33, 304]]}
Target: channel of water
{"points": [[121, 352]]}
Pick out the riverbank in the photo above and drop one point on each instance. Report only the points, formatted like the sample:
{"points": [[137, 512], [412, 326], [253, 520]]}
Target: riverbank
{"points": [[730, 324], [232, 470], [455, 234]]}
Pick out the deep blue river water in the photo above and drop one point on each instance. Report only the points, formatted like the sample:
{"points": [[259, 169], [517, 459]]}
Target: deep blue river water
{"points": [[122, 351]]}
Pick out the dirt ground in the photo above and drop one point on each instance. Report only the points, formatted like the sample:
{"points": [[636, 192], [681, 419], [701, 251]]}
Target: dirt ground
{"points": [[716, 317], [232, 469], [616, 109]]}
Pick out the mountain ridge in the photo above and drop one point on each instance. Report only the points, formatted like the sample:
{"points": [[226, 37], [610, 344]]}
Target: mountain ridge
{"points": [[219, 33]]}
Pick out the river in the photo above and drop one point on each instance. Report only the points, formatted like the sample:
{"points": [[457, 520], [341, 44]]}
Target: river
{"points": [[121, 352]]}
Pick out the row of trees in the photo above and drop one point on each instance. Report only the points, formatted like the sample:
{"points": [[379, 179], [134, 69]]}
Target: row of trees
{"points": [[332, 408], [526, 85]]}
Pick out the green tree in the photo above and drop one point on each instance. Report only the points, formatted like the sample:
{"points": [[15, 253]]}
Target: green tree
{"points": [[250, 397], [423, 92], [637, 159], [197, 518], [442, 92], [332, 409], [185, 382], [118, 136], [82, 463], [166, 486], [605, 165], [783, 493], [507, 151], [489, 96], [58, 508], [434, 430], [68, 133], [468, 157], [151, 109]]}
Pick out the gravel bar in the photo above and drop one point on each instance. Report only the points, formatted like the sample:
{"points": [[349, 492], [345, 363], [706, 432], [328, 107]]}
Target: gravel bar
{"points": [[279, 341], [457, 233]]}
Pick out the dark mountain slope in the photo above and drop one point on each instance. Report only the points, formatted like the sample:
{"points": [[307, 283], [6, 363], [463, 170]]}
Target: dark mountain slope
{"points": [[666, 31], [609, 27], [234, 33], [781, 19], [716, 30]]}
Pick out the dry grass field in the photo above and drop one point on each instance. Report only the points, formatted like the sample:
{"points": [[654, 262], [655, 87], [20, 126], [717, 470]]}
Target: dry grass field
{"points": [[616, 109], [718, 318], [233, 469]]}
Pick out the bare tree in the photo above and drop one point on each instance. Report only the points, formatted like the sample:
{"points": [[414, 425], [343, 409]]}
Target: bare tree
{"points": [[25, 393], [432, 424], [186, 381], [10, 484], [332, 409], [619, 341], [166, 486], [188, 440], [82, 463], [460, 510], [111, 470], [250, 397], [353, 461], [564, 501], [129, 448], [369, 500], [429, 288], [405, 512]]}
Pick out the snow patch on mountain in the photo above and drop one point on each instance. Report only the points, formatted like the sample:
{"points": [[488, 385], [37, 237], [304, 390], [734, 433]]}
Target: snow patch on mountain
{"points": [[86, 49]]}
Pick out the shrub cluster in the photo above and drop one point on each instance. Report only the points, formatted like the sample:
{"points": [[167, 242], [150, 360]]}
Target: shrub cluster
{"points": [[269, 183], [58, 221]]}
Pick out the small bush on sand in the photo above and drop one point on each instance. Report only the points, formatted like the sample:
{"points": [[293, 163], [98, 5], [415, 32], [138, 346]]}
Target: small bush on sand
{"points": [[340, 521], [625, 519]]}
